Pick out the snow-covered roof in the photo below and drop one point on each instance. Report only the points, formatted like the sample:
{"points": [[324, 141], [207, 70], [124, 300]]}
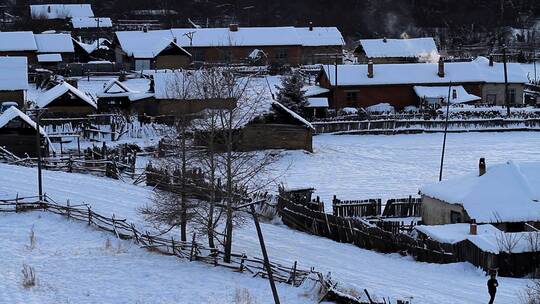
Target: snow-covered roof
{"points": [[488, 238], [140, 44], [133, 41], [320, 36], [49, 96], [314, 90], [115, 88], [49, 58], [245, 36], [477, 71], [91, 22], [317, 102], [507, 192], [12, 113], [60, 11], [181, 85], [54, 43], [13, 73], [293, 114], [441, 93], [414, 47], [100, 43], [17, 41]]}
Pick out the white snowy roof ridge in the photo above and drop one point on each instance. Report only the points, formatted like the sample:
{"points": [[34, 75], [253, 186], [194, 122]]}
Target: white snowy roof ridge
{"points": [[91, 22], [49, 96], [125, 91]]}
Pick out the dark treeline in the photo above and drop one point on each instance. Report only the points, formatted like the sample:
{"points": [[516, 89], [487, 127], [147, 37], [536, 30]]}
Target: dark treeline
{"points": [[355, 18]]}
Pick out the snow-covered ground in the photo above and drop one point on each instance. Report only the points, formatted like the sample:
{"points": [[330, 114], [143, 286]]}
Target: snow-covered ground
{"points": [[388, 166], [73, 264], [351, 167]]}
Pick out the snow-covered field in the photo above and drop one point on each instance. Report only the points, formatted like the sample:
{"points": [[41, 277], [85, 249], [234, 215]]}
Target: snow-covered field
{"points": [[375, 166], [74, 264], [351, 167]]}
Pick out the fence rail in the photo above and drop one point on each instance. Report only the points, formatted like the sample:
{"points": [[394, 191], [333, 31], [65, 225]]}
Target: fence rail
{"points": [[395, 126]]}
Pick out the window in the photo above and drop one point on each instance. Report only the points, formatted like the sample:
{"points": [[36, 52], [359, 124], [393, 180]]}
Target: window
{"points": [[352, 96], [282, 54], [512, 95], [455, 217]]}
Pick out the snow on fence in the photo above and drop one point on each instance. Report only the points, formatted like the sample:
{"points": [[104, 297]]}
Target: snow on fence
{"points": [[398, 126], [186, 250]]}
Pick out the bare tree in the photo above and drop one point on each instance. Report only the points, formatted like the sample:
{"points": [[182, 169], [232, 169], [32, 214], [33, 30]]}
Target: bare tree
{"points": [[507, 242]]}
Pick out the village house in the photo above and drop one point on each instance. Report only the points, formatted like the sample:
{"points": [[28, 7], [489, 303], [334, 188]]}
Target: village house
{"points": [[364, 85], [13, 80], [98, 50], [57, 16], [147, 50], [18, 134], [264, 45], [506, 196], [90, 28], [117, 96], [174, 93], [64, 100], [411, 50]]}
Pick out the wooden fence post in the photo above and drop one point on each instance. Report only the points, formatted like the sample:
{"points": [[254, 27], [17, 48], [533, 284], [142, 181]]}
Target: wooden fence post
{"points": [[68, 210], [192, 253], [242, 262], [89, 215], [173, 246], [135, 233], [114, 227], [293, 277]]}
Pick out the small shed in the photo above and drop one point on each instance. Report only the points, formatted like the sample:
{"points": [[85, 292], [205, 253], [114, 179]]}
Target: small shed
{"points": [[18, 134], [13, 80], [118, 96], [505, 195], [66, 101], [59, 46]]}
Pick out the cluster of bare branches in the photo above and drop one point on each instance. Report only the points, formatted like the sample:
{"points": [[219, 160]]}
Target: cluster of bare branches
{"points": [[210, 141]]}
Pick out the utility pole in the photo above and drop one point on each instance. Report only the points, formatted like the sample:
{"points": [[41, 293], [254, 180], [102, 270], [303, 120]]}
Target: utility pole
{"points": [[506, 82], [445, 130], [38, 143]]}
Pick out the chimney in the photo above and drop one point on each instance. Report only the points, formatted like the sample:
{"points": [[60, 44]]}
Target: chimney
{"points": [[482, 167], [145, 29], [384, 40], [175, 40], [310, 26], [473, 228], [454, 94], [441, 67], [490, 60], [370, 69], [233, 27]]}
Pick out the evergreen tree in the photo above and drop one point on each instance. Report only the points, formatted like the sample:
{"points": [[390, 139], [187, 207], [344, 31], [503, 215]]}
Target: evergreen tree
{"points": [[291, 94]]}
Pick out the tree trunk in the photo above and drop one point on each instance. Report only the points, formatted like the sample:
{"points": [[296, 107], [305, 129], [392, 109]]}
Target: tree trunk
{"points": [[229, 224], [183, 216]]}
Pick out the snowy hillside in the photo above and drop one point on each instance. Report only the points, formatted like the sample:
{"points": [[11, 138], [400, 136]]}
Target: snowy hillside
{"points": [[362, 166], [77, 264]]}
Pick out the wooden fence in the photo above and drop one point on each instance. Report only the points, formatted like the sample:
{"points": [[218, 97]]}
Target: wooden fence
{"points": [[370, 208], [356, 208], [361, 233], [193, 251], [397, 126]]}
